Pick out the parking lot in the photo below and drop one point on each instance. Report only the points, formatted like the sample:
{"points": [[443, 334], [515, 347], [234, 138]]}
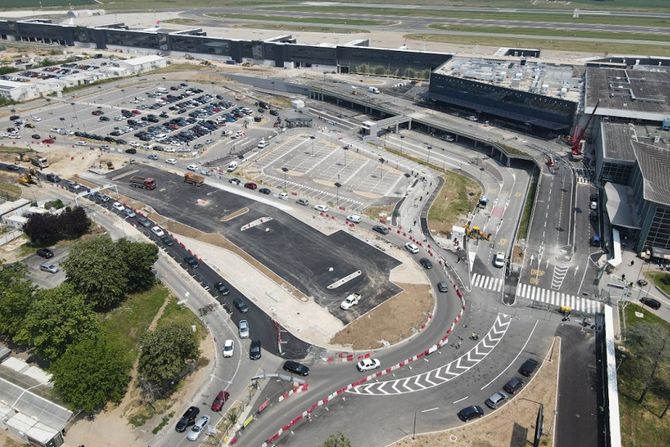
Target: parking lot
{"points": [[313, 165]]}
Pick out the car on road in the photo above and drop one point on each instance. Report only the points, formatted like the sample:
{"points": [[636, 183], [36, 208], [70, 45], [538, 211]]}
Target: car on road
{"points": [[499, 260], [412, 248], [425, 263], [53, 178], [171, 161], [593, 205], [495, 400], [222, 288], [380, 229], [144, 222], [265, 191], [642, 282], [321, 208], [158, 231], [250, 185], [129, 212], [283, 196], [188, 418], [244, 329], [220, 400], [296, 368], [354, 218], [255, 350], [235, 181], [36, 136], [443, 286], [45, 253], [118, 206], [303, 202], [368, 364], [198, 428], [471, 412], [191, 262], [167, 240], [528, 367], [192, 167], [228, 348], [654, 304], [152, 157], [51, 268], [513, 385], [241, 305]]}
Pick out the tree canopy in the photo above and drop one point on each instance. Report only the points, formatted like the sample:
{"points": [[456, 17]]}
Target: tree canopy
{"points": [[337, 440], [16, 296], [164, 357], [91, 373], [47, 229], [56, 319], [139, 258]]}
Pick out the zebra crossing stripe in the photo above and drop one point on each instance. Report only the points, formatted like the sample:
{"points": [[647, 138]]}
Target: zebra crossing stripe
{"points": [[555, 298]]}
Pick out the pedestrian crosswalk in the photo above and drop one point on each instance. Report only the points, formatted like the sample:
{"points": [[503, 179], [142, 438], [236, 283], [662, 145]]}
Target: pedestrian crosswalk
{"points": [[558, 299], [487, 282], [533, 293]]}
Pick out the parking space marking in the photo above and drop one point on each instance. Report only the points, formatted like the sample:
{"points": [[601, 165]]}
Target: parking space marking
{"points": [[445, 373]]}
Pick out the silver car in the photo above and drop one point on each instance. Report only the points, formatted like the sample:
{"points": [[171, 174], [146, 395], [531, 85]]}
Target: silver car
{"points": [[496, 400], [244, 329], [199, 426]]}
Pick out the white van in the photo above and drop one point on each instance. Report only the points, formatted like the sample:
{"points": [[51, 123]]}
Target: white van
{"points": [[374, 90], [232, 166]]}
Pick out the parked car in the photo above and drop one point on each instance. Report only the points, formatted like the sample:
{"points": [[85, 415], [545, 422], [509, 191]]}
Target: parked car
{"points": [[425, 263], [220, 400], [187, 419], [321, 208], [222, 288], [198, 428], [499, 260], [265, 191], [296, 368], [412, 248], [53, 178], [144, 222], [244, 329], [241, 305], [513, 385], [380, 229], [443, 286], [191, 262], [51, 268], [654, 304], [495, 400], [228, 348], [250, 185], [45, 253], [471, 412], [118, 206], [158, 231], [528, 367], [129, 212], [354, 218], [171, 161], [303, 202], [368, 364], [255, 350], [167, 240]]}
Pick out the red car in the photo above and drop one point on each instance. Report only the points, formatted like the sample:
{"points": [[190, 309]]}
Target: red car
{"points": [[48, 141], [135, 112], [250, 185], [220, 400]]}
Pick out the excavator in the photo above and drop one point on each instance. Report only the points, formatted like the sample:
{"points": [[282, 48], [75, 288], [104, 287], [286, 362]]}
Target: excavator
{"points": [[28, 177], [475, 232]]}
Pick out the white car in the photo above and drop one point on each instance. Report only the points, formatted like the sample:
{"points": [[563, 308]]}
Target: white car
{"points": [[499, 260], [283, 196], [244, 329], [158, 231], [368, 364], [81, 143], [261, 144], [193, 168], [198, 428], [37, 119], [412, 248], [594, 205], [130, 213], [118, 206], [350, 301], [321, 208], [354, 218], [228, 348], [171, 161]]}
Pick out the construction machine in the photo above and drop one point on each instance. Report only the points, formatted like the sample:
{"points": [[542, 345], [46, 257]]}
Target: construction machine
{"points": [[475, 232], [577, 140]]}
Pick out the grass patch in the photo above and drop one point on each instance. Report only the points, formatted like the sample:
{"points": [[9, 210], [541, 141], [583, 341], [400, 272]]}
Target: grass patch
{"points": [[14, 4], [457, 197], [658, 278], [14, 150], [10, 191], [322, 20], [163, 423], [181, 21], [641, 423], [126, 324], [177, 314], [301, 28], [545, 44], [526, 16], [90, 84], [552, 32], [527, 209]]}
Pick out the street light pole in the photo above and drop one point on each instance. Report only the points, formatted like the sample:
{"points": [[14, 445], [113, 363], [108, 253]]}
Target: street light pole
{"points": [[338, 185], [381, 166], [345, 148], [284, 170], [428, 157], [402, 140]]}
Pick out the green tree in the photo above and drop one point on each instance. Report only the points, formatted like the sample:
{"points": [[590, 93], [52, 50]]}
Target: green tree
{"points": [[74, 223], [650, 344], [16, 296], [96, 268], [337, 440], [58, 318], [91, 373], [42, 229], [139, 258], [164, 358]]}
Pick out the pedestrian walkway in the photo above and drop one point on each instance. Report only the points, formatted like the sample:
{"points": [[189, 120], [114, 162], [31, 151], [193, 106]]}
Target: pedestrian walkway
{"points": [[557, 299], [487, 282]]}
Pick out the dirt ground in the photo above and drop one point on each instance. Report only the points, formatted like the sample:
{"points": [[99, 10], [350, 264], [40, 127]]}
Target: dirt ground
{"points": [[497, 429], [390, 322]]}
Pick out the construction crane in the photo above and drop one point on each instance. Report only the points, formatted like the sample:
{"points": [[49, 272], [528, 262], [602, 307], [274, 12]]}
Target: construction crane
{"points": [[578, 137]]}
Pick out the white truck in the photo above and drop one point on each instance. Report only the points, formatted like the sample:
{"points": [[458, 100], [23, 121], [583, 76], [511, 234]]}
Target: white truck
{"points": [[350, 301], [374, 90]]}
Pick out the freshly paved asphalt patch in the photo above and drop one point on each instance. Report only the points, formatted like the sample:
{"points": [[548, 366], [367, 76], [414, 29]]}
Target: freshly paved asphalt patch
{"points": [[301, 255]]}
